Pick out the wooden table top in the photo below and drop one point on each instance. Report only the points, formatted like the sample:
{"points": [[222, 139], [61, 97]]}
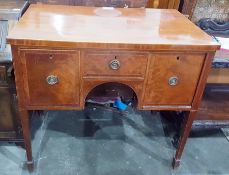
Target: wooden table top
{"points": [[93, 27]]}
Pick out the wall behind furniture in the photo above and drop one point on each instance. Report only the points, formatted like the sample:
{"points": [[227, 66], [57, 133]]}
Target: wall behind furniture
{"points": [[214, 9], [112, 3]]}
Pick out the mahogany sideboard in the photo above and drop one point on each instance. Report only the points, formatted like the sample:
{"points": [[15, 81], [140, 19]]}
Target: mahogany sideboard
{"points": [[60, 53]]}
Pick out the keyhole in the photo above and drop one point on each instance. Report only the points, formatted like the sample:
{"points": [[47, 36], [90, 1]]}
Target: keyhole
{"points": [[178, 58], [50, 57]]}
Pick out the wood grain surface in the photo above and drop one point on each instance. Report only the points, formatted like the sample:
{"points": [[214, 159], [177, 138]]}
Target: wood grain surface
{"points": [[39, 64], [90, 27], [186, 68]]}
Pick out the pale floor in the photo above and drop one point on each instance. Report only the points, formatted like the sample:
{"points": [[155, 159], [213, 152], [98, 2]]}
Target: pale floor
{"points": [[98, 142]]}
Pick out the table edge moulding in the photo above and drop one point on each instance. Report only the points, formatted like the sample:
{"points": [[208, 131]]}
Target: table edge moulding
{"points": [[159, 54]]}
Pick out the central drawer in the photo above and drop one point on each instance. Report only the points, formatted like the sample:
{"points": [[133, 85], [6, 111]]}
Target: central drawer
{"points": [[109, 63]]}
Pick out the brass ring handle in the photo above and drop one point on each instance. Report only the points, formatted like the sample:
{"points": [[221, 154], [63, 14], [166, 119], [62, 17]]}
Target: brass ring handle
{"points": [[115, 64], [52, 79], [173, 81]]}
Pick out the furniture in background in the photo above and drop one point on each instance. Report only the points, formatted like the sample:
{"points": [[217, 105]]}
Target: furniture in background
{"points": [[59, 63], [187, 7], [214, 109], [163, 4], [10, 126], [96, 3]]}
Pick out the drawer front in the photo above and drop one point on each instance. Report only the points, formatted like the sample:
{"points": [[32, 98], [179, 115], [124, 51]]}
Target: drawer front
{"points": [[172, 79], [114, 64], [52, 77]]}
